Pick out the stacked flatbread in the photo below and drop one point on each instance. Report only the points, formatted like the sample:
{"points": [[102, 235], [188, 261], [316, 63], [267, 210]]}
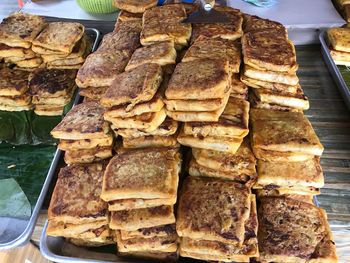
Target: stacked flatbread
{"points": [[17, 33], [338, 39], [163, 23], [216, 220], [51, 90], [62, 45], [84, 135], [288, 152], [140, 187], [343, 7], [110, 59], [270, 66], [80, 216], [294, 231], [14, 95], [134, 6]]}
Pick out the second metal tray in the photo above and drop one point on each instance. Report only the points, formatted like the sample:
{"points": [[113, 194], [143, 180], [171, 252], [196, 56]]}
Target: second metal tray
{"points": [[334, 70], [19, 231]]}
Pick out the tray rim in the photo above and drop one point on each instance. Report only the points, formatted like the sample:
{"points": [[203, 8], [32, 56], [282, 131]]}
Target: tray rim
{"points": [[27, 232], [333, 68]]}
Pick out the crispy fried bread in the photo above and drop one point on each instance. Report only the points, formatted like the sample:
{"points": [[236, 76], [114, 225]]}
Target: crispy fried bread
{"points": [[217, 143], [13, 82], [242, 161], [100, 68], [257, 84], [7, 51], [135, 86], [147, 122], [88, 155], [19, 100], [213, 209], [271, 76], [285, 232], [164, 12], [60, 36], [157, 177], [233, 122], [199, 80], [135, 6], [157, 231], [151, 141], [125, 39], [162, 53], [339, 38], [137, 203], [94, 93], [275, 156], [52, 82], [84, 121], [59, 228], [126, 16], [15, 108], [284, 132], [131, 220], [76, 197], [215, 48], [66, 145], [255, 23], [20, 29], [268, 50]]}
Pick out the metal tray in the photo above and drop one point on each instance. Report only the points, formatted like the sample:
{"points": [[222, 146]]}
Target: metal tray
{"points": [[334, 70], [19, 230]]}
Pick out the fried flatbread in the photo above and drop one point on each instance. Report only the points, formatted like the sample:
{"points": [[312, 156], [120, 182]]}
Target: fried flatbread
{"points": [[76, 197], [339, 57], [257, 84], [55, 101], [77, 66], [88, 155], [258, 104], [271, 76], [147, 122], [13, 82], [162, 53], [126, 16], [20, 29], [199, 80], [100, 69], [52, 83], [196, 169], [308, 198], [297, 100], [164, 12], [131, 220], [48, 110], [339, 38], [213, 209], [137, 203], [163, 244], [196, 116], [7, 51], [84, 121], [93, 238], [284, 132], [233, 122], [156, 177], [275, 156], [135, 86], [59, 228], [167, 128], [94, 93], [255, 23], [285, 232], [60, 36], [67, 145], [14, 101], [222, 144], [15, 108], [121, 111], [230, 31], [242, 161], [134, 26], [215, 48], [28, 63], [274, 190], [237, 86], [151, 141], [125, 39], [135, 6], [157, 231], [151, 255]]}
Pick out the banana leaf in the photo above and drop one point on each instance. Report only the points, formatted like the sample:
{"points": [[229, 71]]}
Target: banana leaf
{"points": [[345, 72]]}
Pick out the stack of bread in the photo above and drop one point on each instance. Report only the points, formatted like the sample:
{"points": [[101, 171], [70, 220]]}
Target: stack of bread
{"points": [[270, 66], [62, 45], [14, 95], [217, 220], [17, 33], [141, 199], [338, 44], [51, 90], [84, 135], [80, 216], [110, 59]]}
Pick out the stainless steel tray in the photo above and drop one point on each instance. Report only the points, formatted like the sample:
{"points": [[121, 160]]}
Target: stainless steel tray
{"points": [[19, 231], [334, 70]]}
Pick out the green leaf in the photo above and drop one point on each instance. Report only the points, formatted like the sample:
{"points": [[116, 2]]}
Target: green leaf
{"points": [[13, 201], [345, 72]]}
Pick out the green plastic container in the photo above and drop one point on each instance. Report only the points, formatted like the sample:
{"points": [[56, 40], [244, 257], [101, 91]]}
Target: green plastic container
{"points": [[97, 6]]}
